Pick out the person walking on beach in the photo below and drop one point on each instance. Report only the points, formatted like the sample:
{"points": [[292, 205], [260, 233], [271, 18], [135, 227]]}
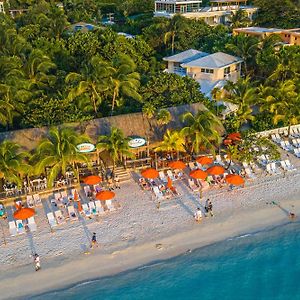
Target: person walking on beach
{"points": [[198, 215], [208, 207], [37, 262], [94, 241], [117, 182]]}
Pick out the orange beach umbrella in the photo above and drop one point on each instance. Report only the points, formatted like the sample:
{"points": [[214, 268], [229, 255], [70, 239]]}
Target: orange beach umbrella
{"points": [[204, 160], [92, 179], [150, 173], [79, 206], [178, 164], [105, 195], [76, 196], [24, 213], [198, 174], [216, 170], [234, 179]]}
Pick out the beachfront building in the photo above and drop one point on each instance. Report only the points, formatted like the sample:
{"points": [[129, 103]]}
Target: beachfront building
{"points": [[210, 70], [217, 13], [288, 36]]}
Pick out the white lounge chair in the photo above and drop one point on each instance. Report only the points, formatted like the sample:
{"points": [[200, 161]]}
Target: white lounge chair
{"points": [[289, 166], [31, 224], [159, 195], [219, 160], [12, 228], [99, 207], [51, 220], [59, 217], [193, 186], [37, 199], [86, 210], [64, 194], [162, 176], [57, 196], [30, 201], [170, 174], [249, 173], [93, 209], [274, 168], [72, 214], [87, 189], [192, 165], [20, 227], [110, 205], [269, 169]]}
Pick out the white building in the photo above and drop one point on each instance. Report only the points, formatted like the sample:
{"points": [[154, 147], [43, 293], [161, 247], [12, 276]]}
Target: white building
{"points": [[2, 7], [210, 70], [217, 13]]}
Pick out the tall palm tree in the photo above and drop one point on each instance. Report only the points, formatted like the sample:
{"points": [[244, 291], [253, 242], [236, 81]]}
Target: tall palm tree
{"points": [[239, 19], [201, 130], [244, 96], [58, 152], [172, 27], [283, 102], [12, 162], [123, 79], [163, 117], [91, 83], [115, 144], [173, 141], [39, 71], [246, 48]]}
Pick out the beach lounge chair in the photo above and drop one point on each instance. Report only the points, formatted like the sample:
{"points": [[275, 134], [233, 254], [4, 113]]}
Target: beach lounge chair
{"points": [[192, 165], [269, 169], [37, 199], [12, 228], [192, 185], [51, 220], [20, 227], [110, 205], [87, 190], [99, 207], [219, 160], [274, 168], [64, 194], [31, 224], [72, 214], [170, 174], [158, 194], [249, 173], [289, 166], [59, 217], [93, 209], [30, 201], [86, 210], [162, 176]]}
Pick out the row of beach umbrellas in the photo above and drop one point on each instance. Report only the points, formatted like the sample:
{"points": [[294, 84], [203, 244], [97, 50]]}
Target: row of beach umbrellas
{"points": [[233, 179]]}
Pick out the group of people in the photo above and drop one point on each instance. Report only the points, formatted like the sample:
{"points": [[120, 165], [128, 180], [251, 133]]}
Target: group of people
{"points": [[208, 211]]}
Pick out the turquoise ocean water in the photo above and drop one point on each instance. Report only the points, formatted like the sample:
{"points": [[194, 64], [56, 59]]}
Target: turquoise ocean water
{"points": [[262, 265]]}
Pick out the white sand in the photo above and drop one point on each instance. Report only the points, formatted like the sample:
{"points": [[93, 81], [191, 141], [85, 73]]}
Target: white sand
{"points": [[129, 236]]}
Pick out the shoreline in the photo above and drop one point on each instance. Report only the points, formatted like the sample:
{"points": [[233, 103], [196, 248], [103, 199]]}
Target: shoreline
{"points": [[58, 275]]}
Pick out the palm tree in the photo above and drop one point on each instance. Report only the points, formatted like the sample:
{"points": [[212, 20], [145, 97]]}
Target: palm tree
{"points": [[243, 95], [38, 70], [115, 144], [123, 79], [283, 102], [201, 130], [172, 27], [91, 83], [163, 117], [244, 47], [12, 164], [173, 141], [239, 19], [58, 152]]}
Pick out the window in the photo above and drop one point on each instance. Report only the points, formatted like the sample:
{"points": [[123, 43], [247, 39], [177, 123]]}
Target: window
{"points": [[208, 71], [227, 71]]}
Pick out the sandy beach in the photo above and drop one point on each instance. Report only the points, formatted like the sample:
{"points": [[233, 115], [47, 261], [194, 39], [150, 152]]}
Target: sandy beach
{"points": [[138, 233]]}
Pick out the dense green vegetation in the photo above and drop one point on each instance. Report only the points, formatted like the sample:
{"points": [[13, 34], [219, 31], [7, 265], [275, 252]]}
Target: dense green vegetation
{"points": [[51, 74]]}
